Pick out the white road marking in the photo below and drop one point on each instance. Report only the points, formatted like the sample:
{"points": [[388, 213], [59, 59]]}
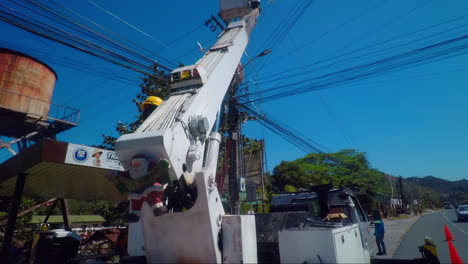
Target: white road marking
{"points": [[450, 221]]}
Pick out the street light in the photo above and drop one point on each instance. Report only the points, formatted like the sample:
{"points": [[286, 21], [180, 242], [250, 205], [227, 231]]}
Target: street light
{"points": [[263, 53]]}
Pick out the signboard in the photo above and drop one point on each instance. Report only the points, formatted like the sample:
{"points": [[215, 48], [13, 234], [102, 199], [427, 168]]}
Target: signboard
{"points": [[92, 157]]}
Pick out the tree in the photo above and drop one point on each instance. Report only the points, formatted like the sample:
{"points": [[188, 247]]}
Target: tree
{"points": [[113, 212], [345, 168], [291, 173], [79, 207], [23, 232], [156, 84]]}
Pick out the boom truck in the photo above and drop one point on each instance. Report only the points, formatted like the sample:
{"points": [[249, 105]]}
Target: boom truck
{"points": [[168, 172], [175, 209], [178, 215]]}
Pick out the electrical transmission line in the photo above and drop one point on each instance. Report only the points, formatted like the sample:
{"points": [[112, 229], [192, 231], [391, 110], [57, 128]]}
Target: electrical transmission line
{"points": [[281, 129], [420, 56], [81, 40]]}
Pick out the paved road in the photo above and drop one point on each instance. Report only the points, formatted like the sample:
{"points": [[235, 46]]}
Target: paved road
{"points": [[432, 225], [395, 230]]}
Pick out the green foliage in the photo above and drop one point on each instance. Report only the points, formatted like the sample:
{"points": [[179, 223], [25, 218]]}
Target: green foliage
{"points": [[244, 207], [251, 145], [75, 207], [290, 188], [256, 207], [112, 212], [345, 168], [441, 185], [292, 173], [416, 190], [58, 219], [457, 198], [350, 168], [23, 233], [43, 210], [79, 207], [455, 192], [152, 85]]}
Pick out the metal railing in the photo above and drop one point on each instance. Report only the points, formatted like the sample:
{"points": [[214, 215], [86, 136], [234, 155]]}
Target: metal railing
{"points": [[36, 107]]}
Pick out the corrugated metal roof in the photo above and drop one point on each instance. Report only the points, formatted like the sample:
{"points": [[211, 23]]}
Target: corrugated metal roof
{"points": [[73, 219], [48, 176]]}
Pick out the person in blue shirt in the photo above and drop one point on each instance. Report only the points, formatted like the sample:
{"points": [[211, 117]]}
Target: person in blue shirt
{"points": [[379, 233]]}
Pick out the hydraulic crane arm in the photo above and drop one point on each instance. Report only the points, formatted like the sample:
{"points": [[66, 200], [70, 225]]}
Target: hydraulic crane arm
{"points": [[180, 140], [177, 130]]}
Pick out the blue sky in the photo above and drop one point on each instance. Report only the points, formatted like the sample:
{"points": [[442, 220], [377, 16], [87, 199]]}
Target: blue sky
{"points": [[410, 122]]}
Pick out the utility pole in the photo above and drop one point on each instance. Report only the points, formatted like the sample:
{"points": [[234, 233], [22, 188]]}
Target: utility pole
{"points": [[233, 132], [236, 163], [402, 195], [262, 175], [391, 187], [419, 192]]}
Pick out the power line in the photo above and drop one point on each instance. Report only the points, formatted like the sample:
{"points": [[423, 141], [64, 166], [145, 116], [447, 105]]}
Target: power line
{"points": [[71, 40], [186, 34], [285, 26], [126, 23], [420, 56], [292, 136], [392, 21], [82, 29], [328, 109], [63, 38], [107, 38], [347, 60], [71, 64], [355, 57], [366, 48], [315, 40], [113, 33]]}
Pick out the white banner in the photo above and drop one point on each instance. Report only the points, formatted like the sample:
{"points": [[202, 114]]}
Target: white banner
{"points": [[92, 157]]}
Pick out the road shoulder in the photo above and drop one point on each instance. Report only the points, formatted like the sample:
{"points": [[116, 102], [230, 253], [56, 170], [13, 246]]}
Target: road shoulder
{"points": [[396, 230]]}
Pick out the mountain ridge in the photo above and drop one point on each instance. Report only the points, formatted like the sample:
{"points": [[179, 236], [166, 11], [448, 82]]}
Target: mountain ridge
{"points": [[454, 191]]}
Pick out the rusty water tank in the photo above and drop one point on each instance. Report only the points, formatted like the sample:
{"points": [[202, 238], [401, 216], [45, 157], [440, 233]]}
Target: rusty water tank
{"points": [[26, 84]]}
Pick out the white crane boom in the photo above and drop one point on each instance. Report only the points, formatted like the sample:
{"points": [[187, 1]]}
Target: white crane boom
{"points": [[177, 129], [178, 140]]}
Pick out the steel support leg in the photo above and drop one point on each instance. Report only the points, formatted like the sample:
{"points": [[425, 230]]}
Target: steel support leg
{"points": [[65, 214], [13, 213]]}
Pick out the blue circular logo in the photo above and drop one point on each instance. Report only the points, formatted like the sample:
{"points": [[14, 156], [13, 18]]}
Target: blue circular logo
{"points": [[80, 155]]}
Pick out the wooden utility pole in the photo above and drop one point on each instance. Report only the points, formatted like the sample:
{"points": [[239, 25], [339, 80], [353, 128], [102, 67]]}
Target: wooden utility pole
{"points": [[233, 132], [262, 175], [402, 193]]}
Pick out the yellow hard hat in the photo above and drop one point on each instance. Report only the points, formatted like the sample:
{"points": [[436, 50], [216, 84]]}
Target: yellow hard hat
{"points": [[44, 227], [152, 100]]}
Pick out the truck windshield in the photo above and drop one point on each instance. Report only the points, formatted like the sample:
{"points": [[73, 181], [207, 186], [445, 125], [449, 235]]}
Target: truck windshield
{"points": [[295, 202]]}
